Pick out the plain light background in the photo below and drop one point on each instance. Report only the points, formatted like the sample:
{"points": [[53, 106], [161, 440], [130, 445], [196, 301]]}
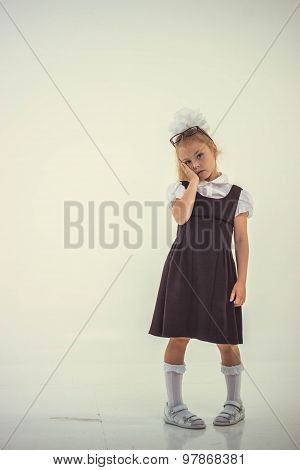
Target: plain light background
{"points": [[85, 109]]}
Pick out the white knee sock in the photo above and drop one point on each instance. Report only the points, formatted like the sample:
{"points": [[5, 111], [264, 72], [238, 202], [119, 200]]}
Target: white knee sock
{"points": [[233, 381], [173, 376]]}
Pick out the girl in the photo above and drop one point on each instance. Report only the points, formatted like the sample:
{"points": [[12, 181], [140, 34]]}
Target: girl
{"points": [[200, 293]]}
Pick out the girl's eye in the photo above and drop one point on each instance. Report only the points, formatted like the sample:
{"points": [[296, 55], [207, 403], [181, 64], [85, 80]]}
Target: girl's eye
{"points": [[189, 161]]}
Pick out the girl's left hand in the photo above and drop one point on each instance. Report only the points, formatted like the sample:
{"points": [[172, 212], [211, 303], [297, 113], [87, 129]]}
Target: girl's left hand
{"points": [[239, 289]]}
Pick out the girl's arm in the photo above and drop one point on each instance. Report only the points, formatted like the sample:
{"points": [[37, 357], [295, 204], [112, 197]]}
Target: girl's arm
{"points": [[242, 255], [241, 245]]}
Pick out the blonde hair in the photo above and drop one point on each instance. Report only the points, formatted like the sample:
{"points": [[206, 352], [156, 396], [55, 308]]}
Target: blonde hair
{"points": [[203, 139]]}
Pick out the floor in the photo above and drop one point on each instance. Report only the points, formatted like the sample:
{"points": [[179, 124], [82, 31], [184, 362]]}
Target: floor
{"points": [[120, 407]]}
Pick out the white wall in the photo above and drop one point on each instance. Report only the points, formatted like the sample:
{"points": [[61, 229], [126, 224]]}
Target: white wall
{"points": [[88, 121]]}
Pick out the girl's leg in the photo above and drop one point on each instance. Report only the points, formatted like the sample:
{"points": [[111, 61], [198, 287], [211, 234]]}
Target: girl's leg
{"points": [[230, 354], [174, 367], [175, 350], [231, 367]]}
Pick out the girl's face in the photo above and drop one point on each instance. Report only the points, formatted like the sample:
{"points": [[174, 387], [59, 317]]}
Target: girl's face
{"points": [[198, 157]]}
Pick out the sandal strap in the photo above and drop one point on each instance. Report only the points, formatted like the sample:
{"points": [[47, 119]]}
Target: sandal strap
{"points": [[233, 403], [231, 409], [183, 417], [189, 417], [179, 407], [181, 414], [194, 418], [226, 413]]}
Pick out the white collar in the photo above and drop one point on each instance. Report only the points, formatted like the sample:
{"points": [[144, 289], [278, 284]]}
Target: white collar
{"points": [[223, 178]]}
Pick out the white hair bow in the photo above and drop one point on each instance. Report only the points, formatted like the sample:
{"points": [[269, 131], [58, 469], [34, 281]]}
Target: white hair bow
{"points": [[185, 118]]}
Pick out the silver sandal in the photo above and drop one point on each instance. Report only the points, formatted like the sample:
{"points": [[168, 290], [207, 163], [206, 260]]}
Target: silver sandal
{"points": [[179, 415], [233, 412]]}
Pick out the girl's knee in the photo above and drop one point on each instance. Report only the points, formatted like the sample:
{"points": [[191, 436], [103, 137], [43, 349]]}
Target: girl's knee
{"points": [[180, 340], [226, 347]]}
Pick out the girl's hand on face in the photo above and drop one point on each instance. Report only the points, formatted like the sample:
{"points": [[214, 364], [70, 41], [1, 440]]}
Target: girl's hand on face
{"points": [[190, 174]]}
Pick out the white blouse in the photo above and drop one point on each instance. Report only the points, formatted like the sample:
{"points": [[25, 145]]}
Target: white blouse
{"points": [[217, 188]]}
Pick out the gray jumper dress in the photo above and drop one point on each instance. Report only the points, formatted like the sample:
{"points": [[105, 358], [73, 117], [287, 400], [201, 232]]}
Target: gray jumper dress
{"points": [[199, 274]]}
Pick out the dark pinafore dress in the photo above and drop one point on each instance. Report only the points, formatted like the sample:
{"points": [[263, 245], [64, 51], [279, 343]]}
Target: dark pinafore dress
{"points": [[199, 274]]}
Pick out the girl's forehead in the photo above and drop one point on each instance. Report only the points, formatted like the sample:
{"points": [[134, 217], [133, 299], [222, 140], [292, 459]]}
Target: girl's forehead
{"points": [[190, 150]]}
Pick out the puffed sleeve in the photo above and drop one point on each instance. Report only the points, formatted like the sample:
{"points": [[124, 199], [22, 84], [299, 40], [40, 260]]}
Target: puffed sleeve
{"points": [[174, 190], [245, 203]]}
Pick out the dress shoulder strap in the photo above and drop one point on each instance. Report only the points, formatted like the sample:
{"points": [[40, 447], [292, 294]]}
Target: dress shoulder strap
{"points": [[236, 191], [185, 183]]}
